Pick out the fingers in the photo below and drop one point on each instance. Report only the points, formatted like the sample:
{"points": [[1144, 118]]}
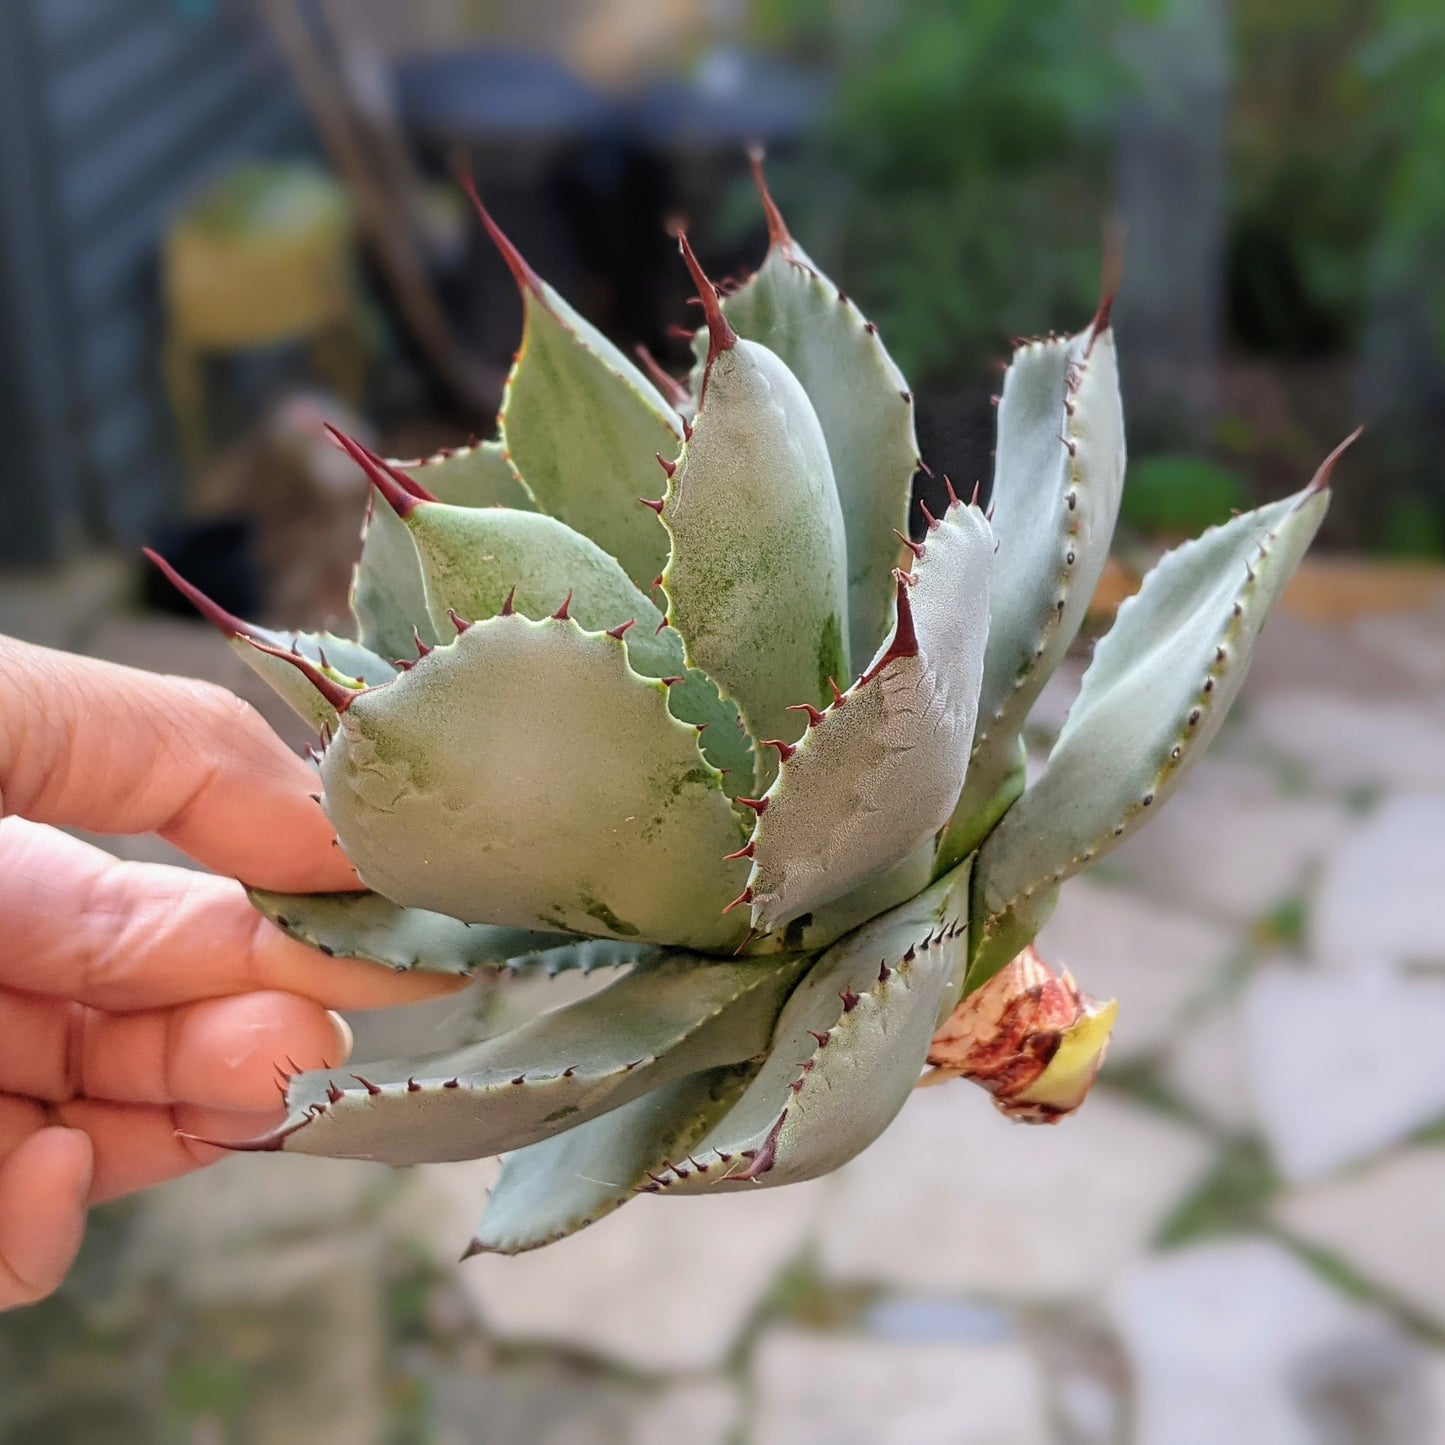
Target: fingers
{"points": [[120, 936], [129, 1147], [19, 1119], [226, 1053], [44, 1185], [108, 749], [137, 1146]]}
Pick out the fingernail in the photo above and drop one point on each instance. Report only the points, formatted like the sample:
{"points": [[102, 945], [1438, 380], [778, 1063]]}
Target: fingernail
{"points": [[344, 1037]]}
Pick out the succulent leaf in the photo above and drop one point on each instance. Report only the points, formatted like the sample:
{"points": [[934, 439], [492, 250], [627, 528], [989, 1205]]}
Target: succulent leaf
{"points": [[556, 1187], [388, 599], [478, 475], [1158, 689], [474, 560], [830, 921], [581, 955], [876, 997], [695, 698], [666, 1019], [1058, 478], [757, 577], [863, 405], [581, 424], [366, 925], [265, 650], [387, 595], [457, 787], [967, 829], [477, 562], [877, 773]]}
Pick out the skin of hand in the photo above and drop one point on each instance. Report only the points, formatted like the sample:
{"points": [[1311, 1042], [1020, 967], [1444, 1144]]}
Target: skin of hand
{"points": [[141, 1003]]}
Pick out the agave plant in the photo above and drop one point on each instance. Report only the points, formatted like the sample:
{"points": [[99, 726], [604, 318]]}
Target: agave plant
{"points": [[723, 743]]}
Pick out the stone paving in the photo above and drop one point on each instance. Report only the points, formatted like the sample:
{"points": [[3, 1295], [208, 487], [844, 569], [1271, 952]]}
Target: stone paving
{"points": [[1241, 1237]]}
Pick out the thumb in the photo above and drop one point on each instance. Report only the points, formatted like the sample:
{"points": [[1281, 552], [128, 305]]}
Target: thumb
{"points": [[43, 1189]]}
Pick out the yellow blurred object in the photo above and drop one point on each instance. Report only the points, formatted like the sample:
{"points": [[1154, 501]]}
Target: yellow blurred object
{"points": [[1326, 589], [1116, 583], [263, 258], [612, 42], [1338, 589]]}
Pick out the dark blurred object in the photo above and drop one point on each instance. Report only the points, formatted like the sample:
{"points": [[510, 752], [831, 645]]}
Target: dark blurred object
{"points": [[964, 174], [488, 96], [301, 502], [955, 437], [547, 156], [111, 114], [732, 98], [586, 184], [217, 554], [347, 88]]}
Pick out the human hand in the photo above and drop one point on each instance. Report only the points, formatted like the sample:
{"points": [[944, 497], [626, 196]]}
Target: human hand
{"points": [[140, 1003]]}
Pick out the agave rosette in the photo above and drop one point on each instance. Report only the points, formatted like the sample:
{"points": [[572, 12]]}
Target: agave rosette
{"points": [[745, 743]]}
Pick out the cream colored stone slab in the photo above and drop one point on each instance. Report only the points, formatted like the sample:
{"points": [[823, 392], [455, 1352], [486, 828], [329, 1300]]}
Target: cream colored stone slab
{"points": [[1239, 1342], [1153, 959], [1379, 895], [1342, 1065], [818, 1389], [957, 1198], [663, 1284], [1386, 1222]]}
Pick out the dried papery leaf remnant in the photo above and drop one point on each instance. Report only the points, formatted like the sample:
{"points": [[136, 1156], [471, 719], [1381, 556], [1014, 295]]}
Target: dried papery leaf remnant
{"points": [[1030, 1037]]}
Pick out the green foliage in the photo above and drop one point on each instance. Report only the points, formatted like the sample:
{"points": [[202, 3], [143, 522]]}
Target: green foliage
{"points": [[1413, 527], [961, 136], [1231, 1197], [529, 793], [1180, 495]]}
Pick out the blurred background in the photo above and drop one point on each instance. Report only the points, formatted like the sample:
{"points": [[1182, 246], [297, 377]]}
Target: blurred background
{"points": [[223, 222]]}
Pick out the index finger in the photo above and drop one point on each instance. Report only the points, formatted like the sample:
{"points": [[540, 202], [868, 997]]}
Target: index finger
{"points": [[82, 925], [93, 745]]}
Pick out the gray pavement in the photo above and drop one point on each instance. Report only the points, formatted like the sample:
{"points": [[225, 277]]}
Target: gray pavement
{"points": [[1240, 1238]]}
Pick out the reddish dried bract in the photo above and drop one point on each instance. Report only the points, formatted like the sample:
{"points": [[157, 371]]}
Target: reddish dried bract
{"points": [[1006, 1035]]}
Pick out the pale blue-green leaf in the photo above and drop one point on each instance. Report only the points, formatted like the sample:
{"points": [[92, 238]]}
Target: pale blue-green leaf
{"points": [[366, 925], [560, 1185], [1158, 689], [819, 927], [865, 410], [666, 1019], [473, 560], [1057, 483], [479, 475], [342, 660], [877, 996], [387, 596], [582, 426], [525, 776], [966, 830], [878, 774], [757, 577]]}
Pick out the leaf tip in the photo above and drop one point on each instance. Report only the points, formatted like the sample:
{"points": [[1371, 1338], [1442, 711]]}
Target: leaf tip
{"points": [[779, 237], [721, 336], [1321, 480], [402, 493], [223, 621], [525, 277]]}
